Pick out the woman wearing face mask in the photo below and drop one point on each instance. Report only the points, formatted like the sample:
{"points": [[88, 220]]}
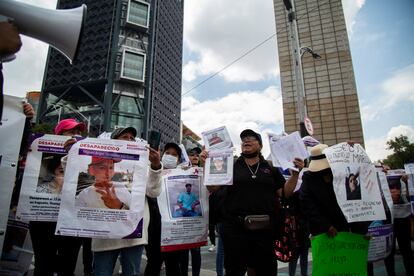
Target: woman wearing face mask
{"points": [[170, 160]]}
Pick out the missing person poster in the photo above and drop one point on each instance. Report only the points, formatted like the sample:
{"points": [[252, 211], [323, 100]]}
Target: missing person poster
{"points": [[219, 168], [184, 209], [218, 138], [381, 231], [104, 189], [399, 193], [409, 171], [11, 131], [356, 185], [42, 180]]}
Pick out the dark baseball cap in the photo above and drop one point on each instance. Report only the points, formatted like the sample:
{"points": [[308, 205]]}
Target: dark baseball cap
{"points": [[119, 131], [249, 132], [194, 150]]}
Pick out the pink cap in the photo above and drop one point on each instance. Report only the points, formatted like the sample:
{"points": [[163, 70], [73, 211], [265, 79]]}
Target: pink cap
{"points": [[68, 124]]}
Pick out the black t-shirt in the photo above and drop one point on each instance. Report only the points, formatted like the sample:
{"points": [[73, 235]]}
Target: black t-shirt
{"points": [[253, 196]]}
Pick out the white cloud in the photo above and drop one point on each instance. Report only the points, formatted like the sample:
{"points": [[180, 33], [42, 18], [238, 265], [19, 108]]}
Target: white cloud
{"points": [[394, 90], [25, 73], [377, 147], [351, 9], [237, 111], [219, 31]]}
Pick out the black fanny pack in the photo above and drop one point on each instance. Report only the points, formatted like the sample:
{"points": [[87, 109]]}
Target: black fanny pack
{"points": [[257, 222]]}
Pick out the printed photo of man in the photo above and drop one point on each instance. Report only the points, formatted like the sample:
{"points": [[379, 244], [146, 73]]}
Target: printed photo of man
{"points": [[187, 203], [104, 193], [218, 165]]}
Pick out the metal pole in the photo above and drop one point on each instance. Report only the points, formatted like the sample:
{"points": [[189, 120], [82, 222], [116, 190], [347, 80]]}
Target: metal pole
{"points": [[297, 63]]}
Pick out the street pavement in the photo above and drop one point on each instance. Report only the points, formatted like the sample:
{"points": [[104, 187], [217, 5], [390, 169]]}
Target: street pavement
{"points": [[208, 265]]}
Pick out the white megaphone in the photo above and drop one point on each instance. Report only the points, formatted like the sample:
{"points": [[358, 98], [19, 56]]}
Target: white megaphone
{"points": [[59, 28]]}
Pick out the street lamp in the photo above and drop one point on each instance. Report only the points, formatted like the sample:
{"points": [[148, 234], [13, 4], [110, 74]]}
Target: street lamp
{"points": [[297, 54]]}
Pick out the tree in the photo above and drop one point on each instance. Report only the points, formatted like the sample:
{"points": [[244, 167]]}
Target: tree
{"points": [[403, 152], [43, 128]]}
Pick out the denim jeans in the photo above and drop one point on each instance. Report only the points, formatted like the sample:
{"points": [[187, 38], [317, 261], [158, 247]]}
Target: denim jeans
{"points": [[220, 253], [104, 261]]}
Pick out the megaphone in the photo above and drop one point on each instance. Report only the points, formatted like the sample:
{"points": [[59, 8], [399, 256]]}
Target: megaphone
{"points": [[59, 28]]}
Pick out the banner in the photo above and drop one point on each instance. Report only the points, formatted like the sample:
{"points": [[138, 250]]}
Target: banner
{"points": [[11, 131], [184, 210], [104, 189], [42, 180], [345, 254], [355, 181], [219, 168], [409, 171]]}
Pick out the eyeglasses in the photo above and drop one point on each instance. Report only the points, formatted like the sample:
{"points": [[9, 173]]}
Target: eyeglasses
{"points": [[248, 139]]}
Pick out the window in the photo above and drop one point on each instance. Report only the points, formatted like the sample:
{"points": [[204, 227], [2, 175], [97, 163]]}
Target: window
{"points": [[138, 13], [133, 66]]}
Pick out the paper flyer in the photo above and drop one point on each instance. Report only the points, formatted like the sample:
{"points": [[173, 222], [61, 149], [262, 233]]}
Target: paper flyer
{"points": [[219, 168], [218, 138], [104, 189], [184, 209], [287, 148]]}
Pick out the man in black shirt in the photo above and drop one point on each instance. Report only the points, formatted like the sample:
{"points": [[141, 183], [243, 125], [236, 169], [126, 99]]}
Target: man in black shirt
{"points": [[253, 195]]}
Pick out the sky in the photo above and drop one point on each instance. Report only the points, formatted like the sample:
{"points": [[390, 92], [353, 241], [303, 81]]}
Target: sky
{"points": [[247, 94]]}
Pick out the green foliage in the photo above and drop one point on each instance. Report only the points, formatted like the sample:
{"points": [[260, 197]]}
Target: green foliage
{"points": [[43, 128], [403, 152]]}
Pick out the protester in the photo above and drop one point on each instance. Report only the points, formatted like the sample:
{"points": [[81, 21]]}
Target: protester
{"points": [[170, 160], [256, 186], [402, 226], [318, 200], [56, 253], [195, 252], [106, 251], [194, 155]]}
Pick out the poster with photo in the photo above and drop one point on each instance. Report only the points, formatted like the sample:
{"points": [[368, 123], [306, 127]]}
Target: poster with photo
{"points": [[219, 168], [355, 182], [42, 180], [184, 209], [286, 148], [399, 193], [11, 131], [273, 138], [381, 231], [409, 171], [103, 195], [218, 138]]}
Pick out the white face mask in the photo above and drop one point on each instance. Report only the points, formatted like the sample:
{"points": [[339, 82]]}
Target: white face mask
{"points": [[169, 161]]}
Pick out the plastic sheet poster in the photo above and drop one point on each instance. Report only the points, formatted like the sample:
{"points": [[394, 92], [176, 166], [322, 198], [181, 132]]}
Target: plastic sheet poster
{"points": [[42, 180], [287, 148], [104, 189], [218, 138], [11, 131], [345, 254], [184, 209], [355, 181], [381, 231], [219, 168], [409, 171], [399, 193]]}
